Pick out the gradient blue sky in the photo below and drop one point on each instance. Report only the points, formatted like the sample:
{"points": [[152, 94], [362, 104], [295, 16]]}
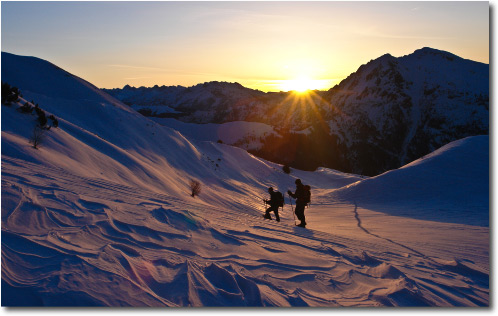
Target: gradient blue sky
{"points": [[263, 45]]}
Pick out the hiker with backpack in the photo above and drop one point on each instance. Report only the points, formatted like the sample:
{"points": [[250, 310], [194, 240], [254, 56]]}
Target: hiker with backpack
{"points": [[303, 197], [276, 200]]}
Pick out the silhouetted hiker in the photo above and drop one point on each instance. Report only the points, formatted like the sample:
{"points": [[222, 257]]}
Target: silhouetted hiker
{"points": [[275, 201], [302, 197]]}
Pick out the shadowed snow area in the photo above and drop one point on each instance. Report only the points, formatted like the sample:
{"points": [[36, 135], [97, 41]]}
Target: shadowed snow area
{"points": [[101, 215], [449, 185]]}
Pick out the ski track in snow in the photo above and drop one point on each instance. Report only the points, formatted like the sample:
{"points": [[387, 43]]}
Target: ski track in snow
{"points": [[357, 216]]}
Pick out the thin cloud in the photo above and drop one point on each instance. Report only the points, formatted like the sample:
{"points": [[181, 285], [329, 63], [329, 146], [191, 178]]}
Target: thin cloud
{"points": [[135, 67], [372, 33]]}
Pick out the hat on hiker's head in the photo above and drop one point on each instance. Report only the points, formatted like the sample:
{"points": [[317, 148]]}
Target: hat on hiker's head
{"points": [[270, 189], [298, 181]]}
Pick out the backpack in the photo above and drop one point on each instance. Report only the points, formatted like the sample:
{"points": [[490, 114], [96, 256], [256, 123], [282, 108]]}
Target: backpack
{"points": [[307, 194], [280, 198]]}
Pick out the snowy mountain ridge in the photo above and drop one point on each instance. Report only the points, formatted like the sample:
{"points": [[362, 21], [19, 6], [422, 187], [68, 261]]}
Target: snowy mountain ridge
{"points": [[101, 215], [389, 112], [410, 105]]}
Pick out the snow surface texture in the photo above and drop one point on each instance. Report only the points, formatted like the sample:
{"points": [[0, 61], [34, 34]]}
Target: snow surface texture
{"points": [[101, 214]]}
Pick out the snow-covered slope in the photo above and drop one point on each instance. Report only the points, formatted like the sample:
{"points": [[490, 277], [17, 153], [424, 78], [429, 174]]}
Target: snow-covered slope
{"points": [[246, 135], [450, 185], [101, 214], [100, 136]]}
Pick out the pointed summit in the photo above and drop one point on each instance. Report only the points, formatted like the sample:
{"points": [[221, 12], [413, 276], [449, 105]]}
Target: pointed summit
{"points": [[428, 51]]}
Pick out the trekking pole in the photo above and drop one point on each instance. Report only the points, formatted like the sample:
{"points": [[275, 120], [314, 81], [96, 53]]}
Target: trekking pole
{"points": [[292, 209]]}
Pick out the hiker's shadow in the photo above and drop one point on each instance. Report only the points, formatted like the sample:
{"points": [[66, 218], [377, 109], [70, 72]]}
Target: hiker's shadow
{"points": [[303, 231]]}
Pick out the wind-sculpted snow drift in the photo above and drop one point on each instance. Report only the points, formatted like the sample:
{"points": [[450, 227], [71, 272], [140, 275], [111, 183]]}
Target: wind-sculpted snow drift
{"points": [[101, 215]]}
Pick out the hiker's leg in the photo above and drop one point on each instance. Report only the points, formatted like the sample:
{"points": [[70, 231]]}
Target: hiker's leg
{"points": [[300, 212], [267, 214], [276, 214]]}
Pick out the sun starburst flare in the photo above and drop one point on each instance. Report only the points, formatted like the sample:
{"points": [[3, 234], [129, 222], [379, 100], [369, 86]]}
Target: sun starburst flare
{"points": [[303, 84]]}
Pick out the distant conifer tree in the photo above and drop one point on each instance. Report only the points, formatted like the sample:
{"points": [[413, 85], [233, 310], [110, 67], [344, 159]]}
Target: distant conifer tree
{"points": [[55, 122], [9, 94], [286, 169], [42, 119], [26, 108]]}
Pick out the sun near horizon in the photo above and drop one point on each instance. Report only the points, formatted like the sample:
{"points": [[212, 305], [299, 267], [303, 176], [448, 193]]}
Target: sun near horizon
{"points": [[303, 83], [269, 46]]}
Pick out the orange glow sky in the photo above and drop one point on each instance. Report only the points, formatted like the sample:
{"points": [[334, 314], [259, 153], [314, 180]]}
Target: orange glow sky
{"points": [[270, 46]]}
